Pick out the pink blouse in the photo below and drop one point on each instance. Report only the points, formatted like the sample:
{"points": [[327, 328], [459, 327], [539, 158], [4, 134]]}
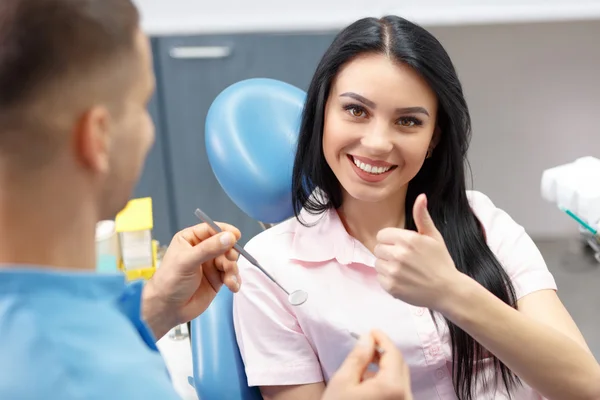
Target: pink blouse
{"points": [[285, 345]]}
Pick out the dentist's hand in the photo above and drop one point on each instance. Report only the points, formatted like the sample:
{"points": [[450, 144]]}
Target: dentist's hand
{"points": [[353, 382], [197, 263]]}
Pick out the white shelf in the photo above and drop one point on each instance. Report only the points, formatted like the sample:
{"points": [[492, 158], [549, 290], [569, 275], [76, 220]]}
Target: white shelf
{"points": [[176, 17]]}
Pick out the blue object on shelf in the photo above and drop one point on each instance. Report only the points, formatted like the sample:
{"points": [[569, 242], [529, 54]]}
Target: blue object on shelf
{"points": [[106, 264]]}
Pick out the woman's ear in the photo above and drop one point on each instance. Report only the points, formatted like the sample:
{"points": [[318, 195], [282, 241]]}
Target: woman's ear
{"points": [[435, 139]]}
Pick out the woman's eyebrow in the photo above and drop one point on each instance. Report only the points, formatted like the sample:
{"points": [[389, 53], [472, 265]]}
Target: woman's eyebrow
{"points": [[371, 104]]}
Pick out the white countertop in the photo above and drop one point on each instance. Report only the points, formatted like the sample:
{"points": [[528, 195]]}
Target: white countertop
{"points": [[181, 17]]}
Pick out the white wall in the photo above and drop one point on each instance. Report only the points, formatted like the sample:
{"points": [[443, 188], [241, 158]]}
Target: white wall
{"points": [[534, 96], [195, 16]]}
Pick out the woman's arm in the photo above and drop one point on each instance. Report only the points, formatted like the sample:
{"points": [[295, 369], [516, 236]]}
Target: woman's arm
{"points": [[311, 391], [540, 343]]}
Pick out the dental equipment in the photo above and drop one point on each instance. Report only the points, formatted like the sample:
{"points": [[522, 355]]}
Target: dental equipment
{"points": [[296, 298], [582, 222], [379, 350]]}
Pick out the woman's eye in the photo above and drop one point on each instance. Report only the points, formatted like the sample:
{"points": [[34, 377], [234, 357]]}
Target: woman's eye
{"points": [[357, 112], [408, 122]]}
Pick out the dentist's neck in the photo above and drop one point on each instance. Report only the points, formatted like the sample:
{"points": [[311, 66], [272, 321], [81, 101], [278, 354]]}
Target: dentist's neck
{"points": [[363, 220], [48, 223]]}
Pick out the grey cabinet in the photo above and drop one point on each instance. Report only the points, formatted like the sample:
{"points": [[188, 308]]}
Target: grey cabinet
{"points": [[154, 180], [193, 71]]}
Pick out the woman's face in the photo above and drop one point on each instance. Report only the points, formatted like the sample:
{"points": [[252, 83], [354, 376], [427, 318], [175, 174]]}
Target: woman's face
{"points": [[380, 120]]}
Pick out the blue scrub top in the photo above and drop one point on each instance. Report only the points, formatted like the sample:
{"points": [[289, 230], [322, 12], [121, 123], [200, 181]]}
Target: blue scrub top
{"points": [[76, 335]]}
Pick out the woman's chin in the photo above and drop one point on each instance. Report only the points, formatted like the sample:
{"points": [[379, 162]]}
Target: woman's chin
{"points": [[366, 194]]}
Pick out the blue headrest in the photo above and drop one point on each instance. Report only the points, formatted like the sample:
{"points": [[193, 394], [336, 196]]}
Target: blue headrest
{"points": [[251, 132]]}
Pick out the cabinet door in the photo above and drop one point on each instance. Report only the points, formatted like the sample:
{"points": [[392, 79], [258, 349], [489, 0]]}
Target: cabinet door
{"points": [[194, 71], [153, 181]]}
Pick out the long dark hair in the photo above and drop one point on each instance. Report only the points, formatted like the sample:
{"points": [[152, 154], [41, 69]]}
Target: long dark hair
{"points": [[442, 177]]}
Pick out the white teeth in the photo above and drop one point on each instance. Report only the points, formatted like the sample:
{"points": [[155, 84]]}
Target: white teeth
{"points": [[370, 168]]}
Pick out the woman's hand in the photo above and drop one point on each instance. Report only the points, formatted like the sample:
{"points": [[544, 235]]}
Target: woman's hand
{"points": [[416, 267]]}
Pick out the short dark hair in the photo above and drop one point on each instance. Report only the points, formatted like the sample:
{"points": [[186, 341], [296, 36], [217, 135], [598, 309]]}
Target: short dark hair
{"points": [[441, 178], [47, 45]]}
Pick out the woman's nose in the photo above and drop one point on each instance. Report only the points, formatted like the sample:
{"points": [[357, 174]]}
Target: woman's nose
{"points": [[377, 140]]}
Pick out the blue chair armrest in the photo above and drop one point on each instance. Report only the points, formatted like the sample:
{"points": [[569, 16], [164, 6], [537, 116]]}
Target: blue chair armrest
{"points": [[218, 368]]}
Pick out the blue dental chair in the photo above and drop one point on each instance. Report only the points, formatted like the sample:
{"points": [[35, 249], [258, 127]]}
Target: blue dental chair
{"points": [[251, 132]]}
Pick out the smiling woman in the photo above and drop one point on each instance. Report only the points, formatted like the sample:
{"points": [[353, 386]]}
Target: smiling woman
{"points": [[368, 123], [382, 209]]}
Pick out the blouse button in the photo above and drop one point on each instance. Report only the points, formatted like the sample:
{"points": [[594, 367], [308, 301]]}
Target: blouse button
{"points": [[440, 374], [419, 311]]}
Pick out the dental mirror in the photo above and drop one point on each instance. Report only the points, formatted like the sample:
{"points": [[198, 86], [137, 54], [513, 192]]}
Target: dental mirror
{"points": [[296, 298]]}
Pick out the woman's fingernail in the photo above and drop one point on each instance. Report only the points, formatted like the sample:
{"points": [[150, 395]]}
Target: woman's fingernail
{"points": [[226, 239]]}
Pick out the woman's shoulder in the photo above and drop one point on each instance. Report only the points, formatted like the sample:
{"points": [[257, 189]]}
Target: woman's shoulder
{"points": [[512, 246], [493, 218], [279, 236], [501, 230], [480, 202]]}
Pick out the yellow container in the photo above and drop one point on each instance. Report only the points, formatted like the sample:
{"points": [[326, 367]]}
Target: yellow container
{"points": [[135, 223], [142, 273]]}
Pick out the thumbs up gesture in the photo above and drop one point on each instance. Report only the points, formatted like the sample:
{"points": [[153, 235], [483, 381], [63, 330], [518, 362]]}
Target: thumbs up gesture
{"points": [[416, 267]]}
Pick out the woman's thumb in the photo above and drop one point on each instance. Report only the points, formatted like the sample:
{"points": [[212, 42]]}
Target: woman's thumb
{"points": [[423, 220]]}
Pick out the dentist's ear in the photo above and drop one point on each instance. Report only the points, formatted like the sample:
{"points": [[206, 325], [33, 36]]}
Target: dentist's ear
{"points": [[92, 139]]}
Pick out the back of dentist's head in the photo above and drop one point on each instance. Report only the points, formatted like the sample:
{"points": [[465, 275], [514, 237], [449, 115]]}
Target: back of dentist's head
{"points": [[75, 77]]}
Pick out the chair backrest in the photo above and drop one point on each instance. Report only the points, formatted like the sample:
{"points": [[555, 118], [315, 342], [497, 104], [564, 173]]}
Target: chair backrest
{"points": [[251, 132], [218, 367]]}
